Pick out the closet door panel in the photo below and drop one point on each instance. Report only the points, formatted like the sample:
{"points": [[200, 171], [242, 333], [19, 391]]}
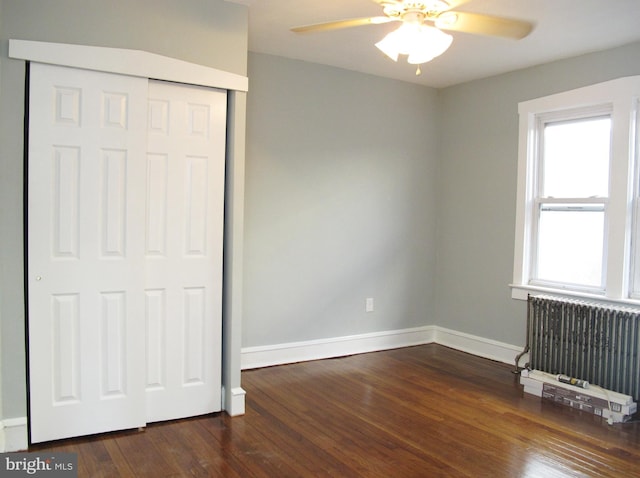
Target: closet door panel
{"points": [[85, 251], [184, 231]]}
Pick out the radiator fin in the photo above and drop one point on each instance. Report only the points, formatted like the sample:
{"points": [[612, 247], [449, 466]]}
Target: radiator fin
{"points": [[587, 340]]}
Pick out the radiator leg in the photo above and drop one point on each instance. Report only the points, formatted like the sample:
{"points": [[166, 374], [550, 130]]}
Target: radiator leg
{"points": [[518, 357], [526, 347]]}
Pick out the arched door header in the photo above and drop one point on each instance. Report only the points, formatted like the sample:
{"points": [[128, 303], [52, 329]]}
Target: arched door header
{"points": [[126, 62]]}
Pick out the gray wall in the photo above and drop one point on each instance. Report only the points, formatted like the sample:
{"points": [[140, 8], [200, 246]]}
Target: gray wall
{"points": [[476, 199], [340, 202], [208, 32], [363, 187]]}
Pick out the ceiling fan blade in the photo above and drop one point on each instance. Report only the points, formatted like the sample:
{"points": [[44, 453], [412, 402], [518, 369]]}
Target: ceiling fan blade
{"points": [[382, 2], [352, 22], [483, 24], [456, 3], [451, 3], [448, 4]]}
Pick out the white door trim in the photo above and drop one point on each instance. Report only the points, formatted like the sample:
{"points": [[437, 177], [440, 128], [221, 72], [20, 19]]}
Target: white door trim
{"points": [[126, 62]]}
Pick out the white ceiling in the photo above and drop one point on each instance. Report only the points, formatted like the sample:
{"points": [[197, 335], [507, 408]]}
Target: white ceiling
{"points": [[563, 28]]}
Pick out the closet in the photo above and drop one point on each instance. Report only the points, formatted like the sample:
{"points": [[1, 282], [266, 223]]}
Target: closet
{"points": [[125, 214]]}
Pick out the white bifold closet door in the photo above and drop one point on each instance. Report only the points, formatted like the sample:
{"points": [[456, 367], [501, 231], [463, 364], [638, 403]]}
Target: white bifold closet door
{"points": [[124, 251], [183, 250]]}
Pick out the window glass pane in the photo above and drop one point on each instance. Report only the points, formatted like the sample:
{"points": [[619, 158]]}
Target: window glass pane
{"points": [[635, 264], [570, 247], [576, 158]]}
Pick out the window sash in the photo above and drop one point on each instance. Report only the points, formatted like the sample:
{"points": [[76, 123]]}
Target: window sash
{"points": [[567, 255], [584, 119], [634, 287]]}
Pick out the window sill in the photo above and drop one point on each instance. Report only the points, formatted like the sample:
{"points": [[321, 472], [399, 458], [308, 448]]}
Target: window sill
{"points": [[521, 292]]}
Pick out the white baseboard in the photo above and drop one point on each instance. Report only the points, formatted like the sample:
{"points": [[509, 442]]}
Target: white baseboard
{"points": [[13, 434], [233, 402], [280, 354], [487, 348], [265, 356]]}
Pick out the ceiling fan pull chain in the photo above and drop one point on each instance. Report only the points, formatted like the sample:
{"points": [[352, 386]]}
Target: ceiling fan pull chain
{"points": [[418, 71]]}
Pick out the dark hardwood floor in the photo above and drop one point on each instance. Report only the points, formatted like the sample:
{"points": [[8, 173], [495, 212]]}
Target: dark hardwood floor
{"points": [[423, 411]]}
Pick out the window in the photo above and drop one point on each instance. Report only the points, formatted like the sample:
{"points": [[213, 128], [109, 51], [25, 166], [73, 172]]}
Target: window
{"points": [[572, 185], [578, 218]]}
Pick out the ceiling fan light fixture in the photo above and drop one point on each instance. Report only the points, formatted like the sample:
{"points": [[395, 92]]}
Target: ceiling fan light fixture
{"points": [[389, 46], [429, 44], [420, 42], [399, 41]]}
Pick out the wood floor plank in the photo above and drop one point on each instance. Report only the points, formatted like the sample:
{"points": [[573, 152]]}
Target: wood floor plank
{"points": [[186, 450], [247, 449], [137, 448], [419, 411], [99, 462]]}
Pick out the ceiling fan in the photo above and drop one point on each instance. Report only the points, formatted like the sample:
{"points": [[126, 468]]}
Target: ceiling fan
{"points": [[421, 35]]}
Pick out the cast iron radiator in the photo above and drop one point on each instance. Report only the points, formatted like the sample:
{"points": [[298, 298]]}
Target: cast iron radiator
{"points": [[586, 340]]}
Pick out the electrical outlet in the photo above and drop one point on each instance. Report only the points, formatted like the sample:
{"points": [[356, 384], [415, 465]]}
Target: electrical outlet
{"points": [[368, 304]]}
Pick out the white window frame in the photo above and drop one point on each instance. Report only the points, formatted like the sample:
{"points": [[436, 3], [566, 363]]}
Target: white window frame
{"points": [[620, 98]]}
